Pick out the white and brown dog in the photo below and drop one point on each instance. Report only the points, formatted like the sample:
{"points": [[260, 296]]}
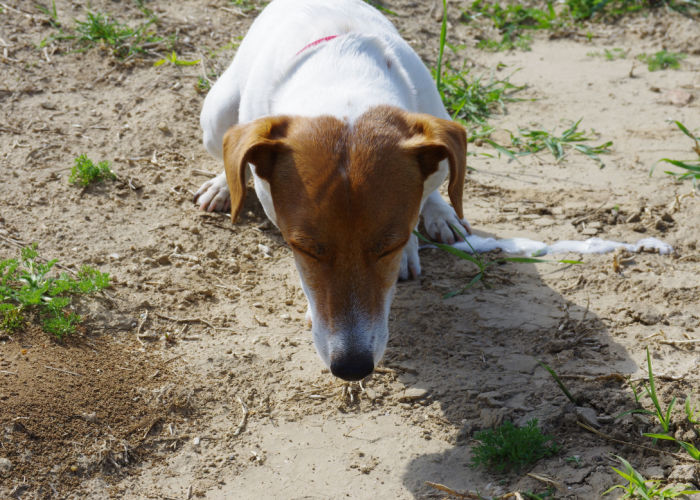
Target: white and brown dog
{"points": [[347, 140]]}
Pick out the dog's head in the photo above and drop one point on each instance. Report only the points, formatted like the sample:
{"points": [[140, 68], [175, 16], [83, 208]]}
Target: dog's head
{"points": [[346, 198]]}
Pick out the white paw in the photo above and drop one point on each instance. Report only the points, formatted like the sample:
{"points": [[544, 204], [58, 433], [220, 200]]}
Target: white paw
{"points": [[438, 219], [213, 196], [410, 262]]}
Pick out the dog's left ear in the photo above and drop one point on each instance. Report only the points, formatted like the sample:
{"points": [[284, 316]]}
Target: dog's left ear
{"points": [[258, 142], [434, 139]]}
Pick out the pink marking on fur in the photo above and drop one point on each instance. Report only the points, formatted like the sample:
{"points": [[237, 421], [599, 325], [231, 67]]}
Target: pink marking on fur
{"points": [[313, 44]]}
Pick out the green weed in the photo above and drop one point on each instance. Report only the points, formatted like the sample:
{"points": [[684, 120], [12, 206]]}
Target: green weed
{"points": [[469, 101], [664, 417], [691, 167], [559, 382], [203, 85], [540, 496], [50, 13], [512, 20], [27, 286], [531, 141], [245, 5], [474, 101], [380, 7], [85, 172], [581, 10], [173, 59], [121, 39], [690, 412], [507, 447], [639, 487], [689, 447], [610, 54], [482, 264], [662, 60]]}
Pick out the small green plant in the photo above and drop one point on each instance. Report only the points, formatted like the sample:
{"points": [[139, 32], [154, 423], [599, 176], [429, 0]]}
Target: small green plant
{"points": [[122, 40], [559, 382], [690, 411], [689, 447], [173, 59], [28, 287], [482, 264], [380, 7], [469, 101], [540, 496], [662, 60], [610, 54], [664, 417], [512, 20], [691, 167], [531, 141], [244, 5], [639, 487], [203, 85], [507, 447], [51, 13], [581, 10], [475, 100], [85, 172]]}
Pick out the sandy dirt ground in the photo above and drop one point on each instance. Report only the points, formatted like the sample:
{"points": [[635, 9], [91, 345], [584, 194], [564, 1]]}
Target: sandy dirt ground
{"points": [[195, 376]]}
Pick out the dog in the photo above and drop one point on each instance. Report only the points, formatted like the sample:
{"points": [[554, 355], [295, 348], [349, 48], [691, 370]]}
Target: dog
{"points": [[347, 140]]}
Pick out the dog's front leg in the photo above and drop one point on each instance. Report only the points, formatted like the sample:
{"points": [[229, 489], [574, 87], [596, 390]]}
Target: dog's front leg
{"points": [[439, 216], [410, 262]]}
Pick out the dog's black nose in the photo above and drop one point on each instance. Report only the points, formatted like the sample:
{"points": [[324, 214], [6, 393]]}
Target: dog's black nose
{"points": [[352, 367]]}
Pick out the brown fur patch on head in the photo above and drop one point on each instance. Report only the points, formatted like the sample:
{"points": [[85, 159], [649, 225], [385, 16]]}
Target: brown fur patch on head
{"points": [[347, 196]]}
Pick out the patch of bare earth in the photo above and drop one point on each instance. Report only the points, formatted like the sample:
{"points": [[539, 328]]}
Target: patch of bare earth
{"points": [[200, 379]]}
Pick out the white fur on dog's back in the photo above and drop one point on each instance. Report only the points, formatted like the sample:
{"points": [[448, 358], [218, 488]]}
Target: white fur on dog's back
{"points": [[266, 67]]}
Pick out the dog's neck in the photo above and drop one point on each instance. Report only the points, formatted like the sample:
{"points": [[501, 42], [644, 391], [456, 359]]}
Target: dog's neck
{"points": [[343, 78]]}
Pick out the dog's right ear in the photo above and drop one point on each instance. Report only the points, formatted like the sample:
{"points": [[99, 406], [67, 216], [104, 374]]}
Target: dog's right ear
{"points": [[258, 143]]}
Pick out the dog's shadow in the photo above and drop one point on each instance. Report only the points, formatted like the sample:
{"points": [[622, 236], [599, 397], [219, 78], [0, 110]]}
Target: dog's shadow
{"points": [[471, 360]]}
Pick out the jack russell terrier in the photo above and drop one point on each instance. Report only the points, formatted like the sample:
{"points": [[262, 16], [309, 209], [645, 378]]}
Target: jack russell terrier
{"points": [[347, 140]]}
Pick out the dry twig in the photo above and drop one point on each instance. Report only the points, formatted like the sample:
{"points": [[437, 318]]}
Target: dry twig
{"points": [[62, 371], [244, 418], [640, 446]]}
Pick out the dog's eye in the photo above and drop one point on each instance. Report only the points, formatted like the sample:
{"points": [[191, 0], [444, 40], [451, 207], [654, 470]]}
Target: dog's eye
{"points": [[392, 249], [304, 250]]}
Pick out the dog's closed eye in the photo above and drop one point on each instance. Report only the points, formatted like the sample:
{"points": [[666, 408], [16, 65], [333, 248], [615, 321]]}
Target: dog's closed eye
{"points": [[308, 248], [392, 248]]}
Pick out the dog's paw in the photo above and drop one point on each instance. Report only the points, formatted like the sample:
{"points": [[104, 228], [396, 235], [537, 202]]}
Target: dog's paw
{"points": [[439, 220], [214, 196], [410, 262]]}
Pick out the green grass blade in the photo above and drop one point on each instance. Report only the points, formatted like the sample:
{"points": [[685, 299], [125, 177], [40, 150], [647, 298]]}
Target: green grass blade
{"points": [[450, 249], [558, 381]]}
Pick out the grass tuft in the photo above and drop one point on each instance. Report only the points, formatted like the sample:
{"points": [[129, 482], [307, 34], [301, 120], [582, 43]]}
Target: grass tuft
{"points": [[691, 167], [532, 141], [173, 59], [121, 39], [583, 10], [662, 60], [85, 172], [610, 54], [508, 448], [28, 287], [639, 487], [512, 21]]}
